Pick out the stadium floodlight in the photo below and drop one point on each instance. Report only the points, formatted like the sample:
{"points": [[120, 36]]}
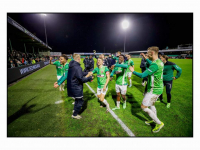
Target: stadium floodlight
{"points": [[44, 14], [125, 25]]}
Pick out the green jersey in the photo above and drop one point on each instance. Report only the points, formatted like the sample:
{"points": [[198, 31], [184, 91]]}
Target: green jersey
{"points": [[121, 74], [155, 77], [169, 68], [65, 68], [130, 63], [101, 75], [64, 77], [59, 68], [116, 59]]}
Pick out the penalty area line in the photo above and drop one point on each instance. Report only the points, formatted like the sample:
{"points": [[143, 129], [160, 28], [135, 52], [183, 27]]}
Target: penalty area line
{"points": [[126, 129]]}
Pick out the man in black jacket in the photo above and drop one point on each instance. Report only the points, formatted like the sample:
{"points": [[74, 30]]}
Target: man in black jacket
{"points": [[75, 80], [86, 64], [91, 63], [143, 67]]}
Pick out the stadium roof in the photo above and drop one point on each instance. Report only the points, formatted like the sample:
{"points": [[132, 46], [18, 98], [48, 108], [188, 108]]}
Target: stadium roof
{"points": [[24, 35], [169, 50]]}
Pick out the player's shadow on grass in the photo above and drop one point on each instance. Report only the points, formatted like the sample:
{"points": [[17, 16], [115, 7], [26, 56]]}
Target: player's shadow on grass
{"points": [[135, 107], [25, 109], [114, 95], [87, 96], [139, 85]]}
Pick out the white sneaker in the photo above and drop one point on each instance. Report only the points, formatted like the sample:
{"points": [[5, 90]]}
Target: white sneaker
{"points": [[73, 103], [76, 117]]}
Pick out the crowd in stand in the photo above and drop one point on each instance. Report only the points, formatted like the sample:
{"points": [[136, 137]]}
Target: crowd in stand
{"points": [[18, 59]]}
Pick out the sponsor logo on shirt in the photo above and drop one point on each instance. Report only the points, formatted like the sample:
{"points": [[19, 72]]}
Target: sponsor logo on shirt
{"points": [[100, 75]]}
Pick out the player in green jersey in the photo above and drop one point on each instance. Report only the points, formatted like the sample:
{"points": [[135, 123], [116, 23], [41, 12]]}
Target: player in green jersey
{"points": [[117, 57], [121, 81], [59, 68], [154, 86], [103, 77], [63, 61], [168, 77], [129, 73]]}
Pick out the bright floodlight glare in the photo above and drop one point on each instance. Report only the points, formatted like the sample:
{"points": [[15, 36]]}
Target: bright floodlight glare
{"points": [[125, 24], [44, 14]]}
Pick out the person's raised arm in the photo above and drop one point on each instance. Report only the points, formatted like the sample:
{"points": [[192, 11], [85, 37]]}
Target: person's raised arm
{"points": [[153, 68]]}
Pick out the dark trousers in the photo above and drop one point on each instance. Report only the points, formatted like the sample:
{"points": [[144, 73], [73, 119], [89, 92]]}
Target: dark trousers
{"points": [[144, 79], [77, 106], [168, 85]]}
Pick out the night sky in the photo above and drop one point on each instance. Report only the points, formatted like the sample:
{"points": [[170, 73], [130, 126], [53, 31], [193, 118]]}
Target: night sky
{"points": [[85, 32]]}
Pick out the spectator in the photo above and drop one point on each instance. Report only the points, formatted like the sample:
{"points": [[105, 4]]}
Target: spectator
{"points": [[33, 61], [12, 64], [91, 63], [86, 64], [22, 60]]}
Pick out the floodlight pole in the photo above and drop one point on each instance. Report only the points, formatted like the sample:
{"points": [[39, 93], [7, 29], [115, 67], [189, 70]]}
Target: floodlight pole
{"points": [[45, 31], [124, 41]]}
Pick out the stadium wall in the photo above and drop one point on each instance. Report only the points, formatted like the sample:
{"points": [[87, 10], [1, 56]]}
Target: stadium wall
{"points": [[14, 74]]}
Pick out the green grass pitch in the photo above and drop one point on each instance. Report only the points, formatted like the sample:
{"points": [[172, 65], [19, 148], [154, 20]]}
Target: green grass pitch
{"points": [[32, 112]]}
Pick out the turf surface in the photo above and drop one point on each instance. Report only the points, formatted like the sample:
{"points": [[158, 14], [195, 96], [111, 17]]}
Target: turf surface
{"points": [[32, 110]]}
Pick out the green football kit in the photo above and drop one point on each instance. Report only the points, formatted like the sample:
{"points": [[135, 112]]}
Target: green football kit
{"points": [[64, 77], [59, 68], [101, 75], [155, 77], [120, 71], [130, 63]]}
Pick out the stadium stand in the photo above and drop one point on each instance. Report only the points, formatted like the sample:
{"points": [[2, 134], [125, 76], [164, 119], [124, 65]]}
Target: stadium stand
{"points": [[22, 57], [22, 46]]}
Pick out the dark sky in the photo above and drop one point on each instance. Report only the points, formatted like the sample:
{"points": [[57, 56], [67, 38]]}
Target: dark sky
{"points": [[85, 32]]}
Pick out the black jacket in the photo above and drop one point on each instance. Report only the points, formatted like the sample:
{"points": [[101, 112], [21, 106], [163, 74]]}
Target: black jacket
{"points": [[109, 61], [143, 63], [86, 62], [91, 64], [75, 79]]}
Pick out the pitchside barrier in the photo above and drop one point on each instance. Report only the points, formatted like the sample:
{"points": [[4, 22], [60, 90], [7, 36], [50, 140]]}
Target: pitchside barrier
{"points": [[14, 74]]}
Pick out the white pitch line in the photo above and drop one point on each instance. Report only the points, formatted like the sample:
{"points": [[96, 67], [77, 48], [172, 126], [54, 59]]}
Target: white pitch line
{"points": [[58, 102], [128, 131]]}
